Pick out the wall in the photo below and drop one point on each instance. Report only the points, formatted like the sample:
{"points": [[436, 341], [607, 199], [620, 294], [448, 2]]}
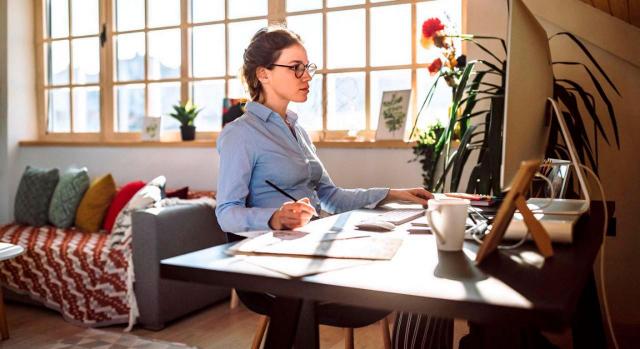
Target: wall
{"points": [[4, 173], [349, 167]]}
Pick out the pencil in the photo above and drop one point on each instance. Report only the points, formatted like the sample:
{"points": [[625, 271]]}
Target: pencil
{"points": [[271, 184]]}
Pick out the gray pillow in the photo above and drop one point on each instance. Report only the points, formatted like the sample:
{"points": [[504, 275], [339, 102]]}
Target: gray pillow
{"points": [[34, 195], [66, 198]]}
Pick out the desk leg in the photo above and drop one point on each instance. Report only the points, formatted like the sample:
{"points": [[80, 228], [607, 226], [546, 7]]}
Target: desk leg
{"points": [[4, 328], [307, 335], [283, 323], [586, 326]]}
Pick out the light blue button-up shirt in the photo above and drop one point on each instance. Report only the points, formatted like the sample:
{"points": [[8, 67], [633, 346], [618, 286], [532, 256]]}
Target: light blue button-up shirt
{"points": [[259, 146]]}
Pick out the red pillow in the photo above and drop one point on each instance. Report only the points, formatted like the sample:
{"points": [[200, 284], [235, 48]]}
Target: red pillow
{"points": [[182, 193], [119, 202]]}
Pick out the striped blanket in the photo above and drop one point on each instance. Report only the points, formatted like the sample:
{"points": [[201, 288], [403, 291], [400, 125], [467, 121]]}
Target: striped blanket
{"points": [[70, 271]]}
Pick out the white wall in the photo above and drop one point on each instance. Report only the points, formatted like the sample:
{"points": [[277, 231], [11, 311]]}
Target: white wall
{"points": [[349, 167], [197, 167], [17, 101], [4, 174]]}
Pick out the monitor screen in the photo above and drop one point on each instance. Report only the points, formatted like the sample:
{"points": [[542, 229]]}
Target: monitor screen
{"points": [[529, 82]]}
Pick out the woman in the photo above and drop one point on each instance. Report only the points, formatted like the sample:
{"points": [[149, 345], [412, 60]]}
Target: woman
{"points": [[267, 143]]}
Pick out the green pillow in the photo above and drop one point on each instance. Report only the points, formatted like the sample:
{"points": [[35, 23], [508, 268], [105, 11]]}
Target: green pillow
{"points": [[34, 195], [66, 198]]}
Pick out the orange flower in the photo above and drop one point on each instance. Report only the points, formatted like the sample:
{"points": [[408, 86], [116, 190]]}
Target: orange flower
{"points": [[435, 66]]}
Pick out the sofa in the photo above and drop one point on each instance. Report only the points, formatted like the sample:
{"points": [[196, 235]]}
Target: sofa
{"points": [[84, 277]]}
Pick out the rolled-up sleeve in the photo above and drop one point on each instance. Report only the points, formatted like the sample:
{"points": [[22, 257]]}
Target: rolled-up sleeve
{"points": [[237, 159]]}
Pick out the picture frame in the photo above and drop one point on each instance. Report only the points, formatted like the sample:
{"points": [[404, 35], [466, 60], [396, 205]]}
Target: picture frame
{"points": [[151, 129], [392, 120]]}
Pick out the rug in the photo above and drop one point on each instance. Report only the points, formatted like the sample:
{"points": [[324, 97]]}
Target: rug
{"points": [[99, 339]]}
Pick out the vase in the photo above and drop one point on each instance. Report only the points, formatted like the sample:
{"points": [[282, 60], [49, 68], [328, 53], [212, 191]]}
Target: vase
{"points": [[188, 132]]}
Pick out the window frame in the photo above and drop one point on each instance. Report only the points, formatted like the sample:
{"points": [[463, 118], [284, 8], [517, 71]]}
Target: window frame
{"points": [[276, 14]]}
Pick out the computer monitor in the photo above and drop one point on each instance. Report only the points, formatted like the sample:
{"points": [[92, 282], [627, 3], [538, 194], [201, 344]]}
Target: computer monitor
{"points": [[529, 82]]}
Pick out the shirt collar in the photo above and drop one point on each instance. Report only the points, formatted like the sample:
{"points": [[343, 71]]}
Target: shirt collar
{"points": [[264, 112]]}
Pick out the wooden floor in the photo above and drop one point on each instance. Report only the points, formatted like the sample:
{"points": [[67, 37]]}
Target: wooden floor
{"points": [[33, 327]]}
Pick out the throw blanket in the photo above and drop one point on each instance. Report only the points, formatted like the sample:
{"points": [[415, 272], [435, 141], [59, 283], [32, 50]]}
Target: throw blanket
{"points": [[87, 277]]}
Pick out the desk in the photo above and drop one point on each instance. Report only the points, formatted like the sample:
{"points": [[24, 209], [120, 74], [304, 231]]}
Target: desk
{"points": [[517, 288]]}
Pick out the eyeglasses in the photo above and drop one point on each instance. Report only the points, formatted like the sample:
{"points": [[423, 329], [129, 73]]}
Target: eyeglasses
{"points": [[300, 68]]}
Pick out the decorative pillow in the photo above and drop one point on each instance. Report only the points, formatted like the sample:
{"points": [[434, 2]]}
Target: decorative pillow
{"points": [[182, 193], [66, 198], [119, 201], [95, 203], [34, 195]]}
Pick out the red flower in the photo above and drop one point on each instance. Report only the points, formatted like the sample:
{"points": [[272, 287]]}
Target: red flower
{"points": [[431, 26], [435, 66]]}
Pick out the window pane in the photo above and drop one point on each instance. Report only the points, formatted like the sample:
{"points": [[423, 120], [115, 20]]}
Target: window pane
{"points": [[58, 62], [309, 27], [84, 17], [449, 13], [207, 10], [86, 60], [130, 103], [57, 18], [59, 114], [208, 95], [247, 8], [86, 109], [164, 54], [303, 5], [129, 15], [162, 97], [438, 109], [386, 80], [236, 89], [208, 49], [336, 3], [163, 13], [391, 35], [130, 53], [310, 112], [240, 34], [345, 39], [345, 101]]}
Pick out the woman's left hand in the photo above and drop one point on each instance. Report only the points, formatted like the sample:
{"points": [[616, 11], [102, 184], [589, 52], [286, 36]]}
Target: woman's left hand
{"points": [[413, 195]]}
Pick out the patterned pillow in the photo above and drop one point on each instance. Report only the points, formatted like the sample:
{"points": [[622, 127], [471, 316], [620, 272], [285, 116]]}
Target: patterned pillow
{"points": [[34, 195], [94, 204], [66, 198]]}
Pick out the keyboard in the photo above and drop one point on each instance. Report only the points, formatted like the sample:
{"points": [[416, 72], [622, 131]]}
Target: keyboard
{"points": [[401, 216]]}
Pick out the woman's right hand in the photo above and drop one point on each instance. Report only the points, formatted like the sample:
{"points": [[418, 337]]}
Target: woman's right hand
{"points": [[292, 215]]}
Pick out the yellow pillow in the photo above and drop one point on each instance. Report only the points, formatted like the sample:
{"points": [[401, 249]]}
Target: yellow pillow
{"points": [[94, 204]]}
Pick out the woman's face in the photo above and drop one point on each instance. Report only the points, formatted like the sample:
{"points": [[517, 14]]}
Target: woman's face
{"points": [[281, 82]]}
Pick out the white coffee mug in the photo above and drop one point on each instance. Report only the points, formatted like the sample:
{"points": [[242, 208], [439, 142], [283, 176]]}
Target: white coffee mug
{"points": [[447, 219]]}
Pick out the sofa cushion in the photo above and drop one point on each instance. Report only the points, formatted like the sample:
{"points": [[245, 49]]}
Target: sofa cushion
{"points": [[66, 197], [34, 195], [119, 201], [95, 203]]}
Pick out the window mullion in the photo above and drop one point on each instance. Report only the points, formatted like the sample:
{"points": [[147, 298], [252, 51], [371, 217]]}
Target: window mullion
{"points": [[325, 65], [69, 4], [367, 64], [106, 73], [185, 50], [40, 71], [146, 57], [414, 68]]}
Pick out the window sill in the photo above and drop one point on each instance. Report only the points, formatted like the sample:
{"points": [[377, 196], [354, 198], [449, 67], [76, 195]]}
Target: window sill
{"points": [[211, 144]]}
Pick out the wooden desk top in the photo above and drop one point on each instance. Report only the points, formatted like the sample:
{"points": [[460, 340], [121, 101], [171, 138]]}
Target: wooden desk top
{"points": [[517, 286]]}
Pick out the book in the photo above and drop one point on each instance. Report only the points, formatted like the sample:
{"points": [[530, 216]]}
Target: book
{"points": [[477, 199], [559, 227]]}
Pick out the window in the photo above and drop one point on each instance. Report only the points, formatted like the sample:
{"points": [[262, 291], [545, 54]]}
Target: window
{"points": [[106, 64]]}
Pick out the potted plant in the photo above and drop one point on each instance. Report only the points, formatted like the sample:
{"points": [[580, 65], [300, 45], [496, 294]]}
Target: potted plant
{"points": [[186, 115]]}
